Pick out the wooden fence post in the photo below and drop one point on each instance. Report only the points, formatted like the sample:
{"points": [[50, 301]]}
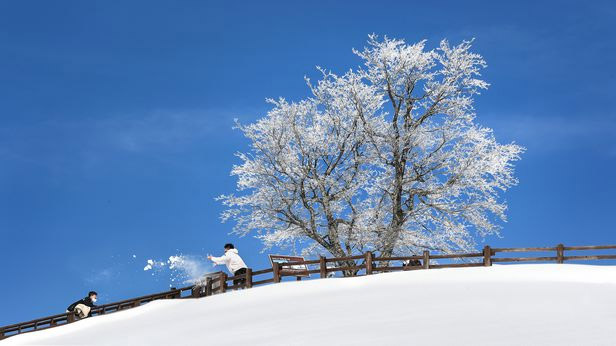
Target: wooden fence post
{"points": [[560, 253], [487, 256], [369, 263], [223, 282], [248, 281], [276, 272], [208, 286], [195, 292], [136, 303], [426, 259], [70, 318], [322, 267]]}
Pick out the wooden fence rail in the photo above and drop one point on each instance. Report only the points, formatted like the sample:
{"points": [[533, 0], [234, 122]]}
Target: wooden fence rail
{"points": [[365, 264]]}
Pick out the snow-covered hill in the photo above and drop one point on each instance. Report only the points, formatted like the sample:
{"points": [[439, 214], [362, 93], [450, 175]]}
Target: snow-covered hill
{"points": [[547, 304]]}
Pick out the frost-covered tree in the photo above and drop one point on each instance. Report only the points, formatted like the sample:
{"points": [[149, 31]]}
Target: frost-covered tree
{"points": [[386, 157]]}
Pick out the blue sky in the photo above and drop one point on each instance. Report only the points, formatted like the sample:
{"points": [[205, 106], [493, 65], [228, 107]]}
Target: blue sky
{"points": [[116, 123]]}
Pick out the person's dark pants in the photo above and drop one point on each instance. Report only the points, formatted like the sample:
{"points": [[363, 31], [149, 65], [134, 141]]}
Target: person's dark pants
{"points": [[240, 281]]}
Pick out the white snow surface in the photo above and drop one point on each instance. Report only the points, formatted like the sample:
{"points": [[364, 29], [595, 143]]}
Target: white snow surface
{"points": [[547, 304]]}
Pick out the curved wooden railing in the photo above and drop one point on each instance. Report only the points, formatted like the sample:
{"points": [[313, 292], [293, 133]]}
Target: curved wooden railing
{"points": [[365, 264]]}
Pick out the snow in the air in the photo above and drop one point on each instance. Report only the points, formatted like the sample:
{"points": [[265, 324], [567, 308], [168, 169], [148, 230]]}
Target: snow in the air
{"points": [[149, 266], [548, 304], [185, 269]]}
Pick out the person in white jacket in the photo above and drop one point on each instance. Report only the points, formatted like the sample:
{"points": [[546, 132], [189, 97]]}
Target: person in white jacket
{"points": [[233, 261]]}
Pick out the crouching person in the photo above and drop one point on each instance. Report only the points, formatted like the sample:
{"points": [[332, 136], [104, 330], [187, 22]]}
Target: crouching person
{"points": [[83, 307], [233, 261]]}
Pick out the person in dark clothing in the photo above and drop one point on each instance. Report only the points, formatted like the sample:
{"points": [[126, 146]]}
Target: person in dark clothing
{"points": [[87, 301]]}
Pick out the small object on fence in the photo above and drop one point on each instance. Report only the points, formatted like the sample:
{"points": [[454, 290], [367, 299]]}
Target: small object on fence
{"points": [[426, 259], [276, 267], [411, 262], [248, 282], [223, 282], [487, 256], [322, 267], [560, 253], [368, 263]]}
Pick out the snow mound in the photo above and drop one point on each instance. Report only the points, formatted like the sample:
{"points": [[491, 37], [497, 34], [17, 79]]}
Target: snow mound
{"points": [[547, 304]]}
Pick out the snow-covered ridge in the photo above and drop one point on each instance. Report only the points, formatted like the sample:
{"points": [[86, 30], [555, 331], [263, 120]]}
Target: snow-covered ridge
{"points": [[539, 304]]}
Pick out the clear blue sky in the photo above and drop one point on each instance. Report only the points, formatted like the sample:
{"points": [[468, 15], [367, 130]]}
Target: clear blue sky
{"points": [[115, 123]]}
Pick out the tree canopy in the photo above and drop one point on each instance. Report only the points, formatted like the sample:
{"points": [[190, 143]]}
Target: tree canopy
{"points": [[386, 157]]}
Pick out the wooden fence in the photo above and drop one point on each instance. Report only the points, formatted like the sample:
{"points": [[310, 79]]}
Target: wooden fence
{"points": [[366, 264]]}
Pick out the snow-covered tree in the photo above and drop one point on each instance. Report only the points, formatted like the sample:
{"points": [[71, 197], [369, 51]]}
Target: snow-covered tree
{"points": [[386, 157]]}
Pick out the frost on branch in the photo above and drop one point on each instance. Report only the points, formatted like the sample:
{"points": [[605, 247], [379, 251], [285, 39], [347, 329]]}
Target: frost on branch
{"points": [[386, 158]]}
